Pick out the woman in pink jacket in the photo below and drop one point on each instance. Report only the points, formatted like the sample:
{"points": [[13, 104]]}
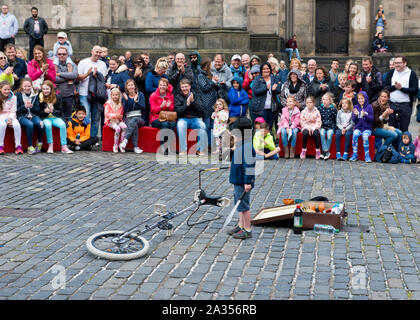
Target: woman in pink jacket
{"points": [[289, 126], [310, 122], [41, 68], [8, 107]]}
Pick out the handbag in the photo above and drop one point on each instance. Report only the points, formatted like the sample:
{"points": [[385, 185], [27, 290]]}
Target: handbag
{"points": [[275, 104], [168, 116], [37, 84]]}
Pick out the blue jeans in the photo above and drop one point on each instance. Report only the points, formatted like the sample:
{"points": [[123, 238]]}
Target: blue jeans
{"points": [[326, 138], [260, 157], [347, 143], [59, 123], [30, 126], [209, 122], [194, 123], [290, 52], [283, 133], [391, 137], [245, 203], [92, 113]]}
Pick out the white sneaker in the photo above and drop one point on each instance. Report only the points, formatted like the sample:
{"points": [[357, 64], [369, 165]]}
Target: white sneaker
{"points": [[115, 148], [138, 150], [65, 149], [50, 148]]}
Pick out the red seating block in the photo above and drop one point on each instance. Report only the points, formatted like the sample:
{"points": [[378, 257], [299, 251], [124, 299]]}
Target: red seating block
{"points": [[148, 140], [9, 140], [311, 147]]}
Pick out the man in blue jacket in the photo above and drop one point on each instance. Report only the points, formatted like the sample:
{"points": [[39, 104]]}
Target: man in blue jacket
{"points": [[8, 27]]}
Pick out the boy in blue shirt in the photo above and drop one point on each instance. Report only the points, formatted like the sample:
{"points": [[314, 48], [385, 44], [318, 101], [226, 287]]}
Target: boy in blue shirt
{"points": [[242, 174]]}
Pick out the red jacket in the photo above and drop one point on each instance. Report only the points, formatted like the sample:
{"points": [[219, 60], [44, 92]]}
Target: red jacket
{"points": [[246, 85], [156, 102]]}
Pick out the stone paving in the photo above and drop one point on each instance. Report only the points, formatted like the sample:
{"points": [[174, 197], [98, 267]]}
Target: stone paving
{"points": [[85, 193]]}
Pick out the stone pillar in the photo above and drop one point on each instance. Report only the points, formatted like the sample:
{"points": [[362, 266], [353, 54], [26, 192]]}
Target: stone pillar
{"points": [[304, 26], [360, 38]]}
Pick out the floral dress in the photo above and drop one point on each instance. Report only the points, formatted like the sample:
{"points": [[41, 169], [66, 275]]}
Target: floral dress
{"points": [[220, 122]]}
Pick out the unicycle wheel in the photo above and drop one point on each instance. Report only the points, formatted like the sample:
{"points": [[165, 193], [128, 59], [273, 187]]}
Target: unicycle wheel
{"points": [[109, 245]]}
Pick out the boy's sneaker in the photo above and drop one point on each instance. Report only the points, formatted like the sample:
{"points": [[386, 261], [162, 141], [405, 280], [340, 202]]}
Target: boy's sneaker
{"points": [[242, 234], [303, 154], [368, 159], [353, 157], [231, 232], [345, 156], [19, 150], [31, 150], [77, 148], [317, 154], [115, 148], [137, 150], [1, 150], [65, 149], [338, 156], [326, 155], [38, 147], [50, 148]]}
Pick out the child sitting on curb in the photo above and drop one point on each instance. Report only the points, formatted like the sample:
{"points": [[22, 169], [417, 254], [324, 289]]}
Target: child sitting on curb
{"points": [[407, 148], [78, 131], [263, 143]]}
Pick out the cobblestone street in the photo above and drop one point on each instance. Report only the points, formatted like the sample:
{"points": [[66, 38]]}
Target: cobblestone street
{"points": [[85, 193]]}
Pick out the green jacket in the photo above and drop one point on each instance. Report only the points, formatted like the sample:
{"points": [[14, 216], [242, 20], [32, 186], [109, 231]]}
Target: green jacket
{"points": [[259, 140]]}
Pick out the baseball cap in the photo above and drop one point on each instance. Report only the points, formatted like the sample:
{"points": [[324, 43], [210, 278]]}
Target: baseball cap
{"points": [[237, 57], [255, 69], [259, 120], [61, 35]]}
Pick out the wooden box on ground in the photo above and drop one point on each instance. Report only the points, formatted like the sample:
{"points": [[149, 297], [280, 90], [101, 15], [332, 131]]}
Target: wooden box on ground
{"points": [[310, 218]]}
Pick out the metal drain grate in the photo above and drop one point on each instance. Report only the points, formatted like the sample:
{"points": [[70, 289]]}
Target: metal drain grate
{"points": [[21, 213]]}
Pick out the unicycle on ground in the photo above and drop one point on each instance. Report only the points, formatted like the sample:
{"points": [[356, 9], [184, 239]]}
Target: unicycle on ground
{"points": [[128, 245]]}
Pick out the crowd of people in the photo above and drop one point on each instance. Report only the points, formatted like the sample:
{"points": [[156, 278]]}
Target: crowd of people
{"points": [[181, 92]]}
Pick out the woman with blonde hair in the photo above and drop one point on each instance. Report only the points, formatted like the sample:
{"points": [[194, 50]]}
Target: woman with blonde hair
{"points": [[22, 54], [152, 82]]}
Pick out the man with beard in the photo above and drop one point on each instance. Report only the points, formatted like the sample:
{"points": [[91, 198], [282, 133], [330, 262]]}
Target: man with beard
{"points": [[35, 27]]}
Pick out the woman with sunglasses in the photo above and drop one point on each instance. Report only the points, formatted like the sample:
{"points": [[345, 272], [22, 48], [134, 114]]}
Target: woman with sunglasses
{"points": [[6, 71]]}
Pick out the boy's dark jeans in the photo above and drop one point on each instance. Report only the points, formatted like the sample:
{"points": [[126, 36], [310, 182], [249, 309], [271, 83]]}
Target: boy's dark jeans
{"points": [[418, 113], [85, 145]]}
